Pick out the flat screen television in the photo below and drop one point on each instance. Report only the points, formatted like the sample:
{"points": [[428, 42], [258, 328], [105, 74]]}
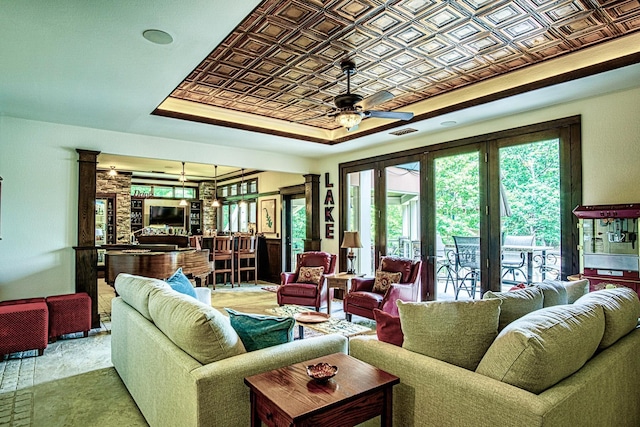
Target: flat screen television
{"points": [[166, 215]]}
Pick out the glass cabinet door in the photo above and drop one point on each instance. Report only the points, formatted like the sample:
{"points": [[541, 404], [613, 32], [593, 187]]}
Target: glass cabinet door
{"points": [[101, 222]]}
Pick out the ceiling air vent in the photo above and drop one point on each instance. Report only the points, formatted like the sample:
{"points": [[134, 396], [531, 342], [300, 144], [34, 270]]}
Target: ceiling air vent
{"points": [[403, 131]]}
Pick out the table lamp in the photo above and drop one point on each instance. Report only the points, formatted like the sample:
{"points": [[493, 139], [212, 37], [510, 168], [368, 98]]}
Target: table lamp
{"points": [[351, 240]]}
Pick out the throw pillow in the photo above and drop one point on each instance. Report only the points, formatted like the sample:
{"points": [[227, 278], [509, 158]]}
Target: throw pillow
{"points": [[199, 330], [258, 331], [621, 311], [554, 293], [544, 347], [388, 327], [384, 280], [575, 289], [310, 275], [180, 283], [456, 332], [516, 304]]}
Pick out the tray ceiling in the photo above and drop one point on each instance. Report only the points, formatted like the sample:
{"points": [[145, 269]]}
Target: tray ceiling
{"points": [[282, 61]]}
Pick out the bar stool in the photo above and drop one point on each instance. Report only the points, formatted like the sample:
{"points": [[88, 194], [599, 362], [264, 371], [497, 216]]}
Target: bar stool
{"points": [[222, 253], [246, 250]]}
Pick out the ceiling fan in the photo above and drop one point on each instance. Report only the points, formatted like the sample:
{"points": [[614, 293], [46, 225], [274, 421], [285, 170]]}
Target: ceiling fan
{"points": [[352, 108]]}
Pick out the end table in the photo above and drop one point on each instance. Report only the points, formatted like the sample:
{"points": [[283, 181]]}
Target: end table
{"points": [[339, 281], [288, 397]]}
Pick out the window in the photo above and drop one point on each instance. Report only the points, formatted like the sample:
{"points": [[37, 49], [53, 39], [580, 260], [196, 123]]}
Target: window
{"points": [[415, 201], [163, 191]]}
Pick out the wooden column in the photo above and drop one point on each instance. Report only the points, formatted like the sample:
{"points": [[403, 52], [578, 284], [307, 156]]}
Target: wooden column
{"points": [[86, 252], [312, 198]]}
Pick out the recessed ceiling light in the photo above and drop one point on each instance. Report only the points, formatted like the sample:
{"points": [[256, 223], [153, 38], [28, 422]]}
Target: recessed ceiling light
{"points": [[448, 123], [157, 36]]}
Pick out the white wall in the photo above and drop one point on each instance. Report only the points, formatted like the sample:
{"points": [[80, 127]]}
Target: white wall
{"points": [[610, 147], [38, 164]]}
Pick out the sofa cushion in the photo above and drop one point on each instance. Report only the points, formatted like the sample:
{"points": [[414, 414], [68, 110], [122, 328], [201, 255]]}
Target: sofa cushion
{"points": [[199, 330], [261, 331], [544, 347], [575, 289], [388, 327], [384, 280], [621, 311], [554, 293], [516, 304], [180, 283], [135, 291], [456, 332], [310, 275]]}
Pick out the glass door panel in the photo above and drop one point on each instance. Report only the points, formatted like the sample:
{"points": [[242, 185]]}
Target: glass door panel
{"points": [[361, 216], [403, 210], [457, 218], [295, 228], [530, 212]]}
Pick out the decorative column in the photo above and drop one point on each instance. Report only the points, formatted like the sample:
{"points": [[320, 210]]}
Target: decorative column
{"points": [[86, 252], [312, 199]]}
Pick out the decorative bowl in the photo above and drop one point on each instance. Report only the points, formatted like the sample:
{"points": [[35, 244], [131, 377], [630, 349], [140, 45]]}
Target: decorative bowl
{"points": [[322, 371]]}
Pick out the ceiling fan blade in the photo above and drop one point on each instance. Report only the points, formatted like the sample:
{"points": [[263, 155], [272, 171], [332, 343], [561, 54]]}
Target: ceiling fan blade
{"points": [[389, 115], [376, 99]]}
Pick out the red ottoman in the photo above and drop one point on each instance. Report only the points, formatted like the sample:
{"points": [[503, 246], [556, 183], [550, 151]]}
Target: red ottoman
{"points": [[69, 313], [23, 326]]}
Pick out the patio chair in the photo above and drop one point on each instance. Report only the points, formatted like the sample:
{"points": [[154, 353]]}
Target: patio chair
{"points": [[444, 262], [467, 264], [513, 262]]}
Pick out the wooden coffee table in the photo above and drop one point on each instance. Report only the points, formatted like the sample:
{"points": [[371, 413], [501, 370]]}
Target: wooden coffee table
{"points": [[288, 397]]}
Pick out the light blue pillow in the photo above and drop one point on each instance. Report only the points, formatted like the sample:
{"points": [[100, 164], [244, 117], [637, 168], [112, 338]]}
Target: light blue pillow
{"points": [[260, 331], [179, 283]]}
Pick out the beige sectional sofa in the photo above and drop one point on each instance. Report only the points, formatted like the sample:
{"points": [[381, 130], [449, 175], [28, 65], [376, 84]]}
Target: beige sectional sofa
{"points": [[183, 363], [557, 365]]}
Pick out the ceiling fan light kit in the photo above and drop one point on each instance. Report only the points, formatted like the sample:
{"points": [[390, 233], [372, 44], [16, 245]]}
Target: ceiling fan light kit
{"points": [[348, 119], [352, 108]]}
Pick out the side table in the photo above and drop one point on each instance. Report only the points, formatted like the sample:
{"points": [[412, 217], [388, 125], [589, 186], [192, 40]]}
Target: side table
{"points": [[288, 397], [339, 281]]}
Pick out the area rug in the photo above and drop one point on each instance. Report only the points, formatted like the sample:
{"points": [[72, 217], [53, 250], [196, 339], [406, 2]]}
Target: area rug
{"points": [[95, 398], [271, 288], [333, 325]]}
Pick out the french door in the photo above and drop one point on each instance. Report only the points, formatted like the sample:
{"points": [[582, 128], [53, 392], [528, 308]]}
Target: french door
{"points": [[294, 229], [508, 195]]}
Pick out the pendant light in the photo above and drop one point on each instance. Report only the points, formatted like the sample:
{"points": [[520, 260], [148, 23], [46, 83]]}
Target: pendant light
{"points": [[183, 202], [242, 202], [215, 203]]}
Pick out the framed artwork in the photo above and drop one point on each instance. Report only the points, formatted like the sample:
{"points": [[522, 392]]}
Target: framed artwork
{"points": [[268, 216]]}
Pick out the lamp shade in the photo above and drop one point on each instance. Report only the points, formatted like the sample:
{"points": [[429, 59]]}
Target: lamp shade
{"points": [[351, 239]]}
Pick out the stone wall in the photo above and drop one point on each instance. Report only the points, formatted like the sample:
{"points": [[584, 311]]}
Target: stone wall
{"points": [[120, 185], [206, 189]]}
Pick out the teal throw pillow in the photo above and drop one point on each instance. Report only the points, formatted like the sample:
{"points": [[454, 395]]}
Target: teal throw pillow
{"points": [[260, 331], [179, 283]]}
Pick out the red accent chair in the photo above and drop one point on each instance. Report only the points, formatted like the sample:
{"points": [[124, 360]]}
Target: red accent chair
{"points": [[307, 294], [24, 325], [361, 299], [69, 313]]}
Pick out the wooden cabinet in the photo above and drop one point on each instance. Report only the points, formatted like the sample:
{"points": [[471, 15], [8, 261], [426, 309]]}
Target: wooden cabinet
{"points": [[195, 217], [269, 259], [136, 214], [105, 211]]}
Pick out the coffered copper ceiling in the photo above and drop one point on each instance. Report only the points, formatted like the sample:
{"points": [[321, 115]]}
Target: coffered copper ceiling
{"points": [[282, 61]]}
